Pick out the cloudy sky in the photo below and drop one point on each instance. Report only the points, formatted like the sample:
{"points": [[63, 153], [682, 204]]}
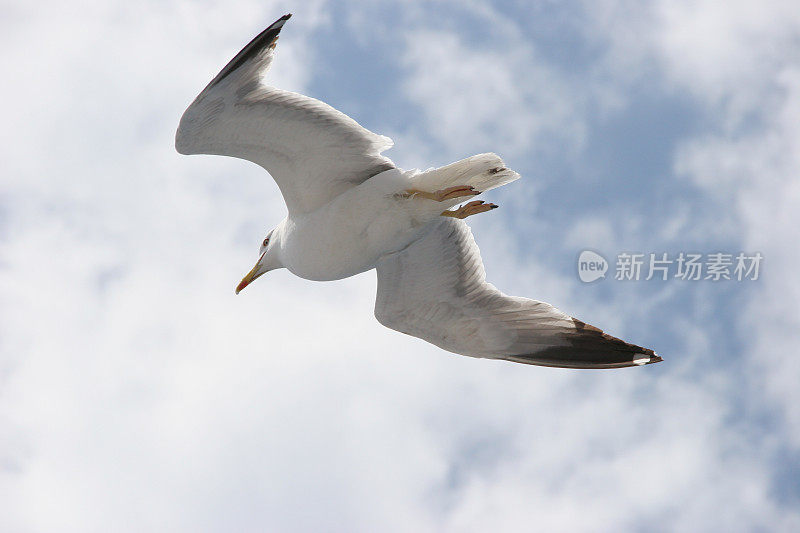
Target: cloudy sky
{"points": [[138, 393]]}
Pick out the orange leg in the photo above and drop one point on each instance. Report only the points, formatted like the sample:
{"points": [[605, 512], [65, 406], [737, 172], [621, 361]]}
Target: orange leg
{"points": [[450, 193], [472, 208]]}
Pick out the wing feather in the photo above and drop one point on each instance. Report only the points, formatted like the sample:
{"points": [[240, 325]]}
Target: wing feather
{"points": [[436, 289], [313, 151]]}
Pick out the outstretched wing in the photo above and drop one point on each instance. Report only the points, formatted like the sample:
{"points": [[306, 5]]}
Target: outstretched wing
{"points": [[436, 290], [313, 151]]}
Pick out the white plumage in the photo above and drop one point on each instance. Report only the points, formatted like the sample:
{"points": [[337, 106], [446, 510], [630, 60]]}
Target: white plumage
{"points": [[351, 210]]}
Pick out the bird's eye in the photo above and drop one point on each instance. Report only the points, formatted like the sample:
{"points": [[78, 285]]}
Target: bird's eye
{"points": [[266, 242]]}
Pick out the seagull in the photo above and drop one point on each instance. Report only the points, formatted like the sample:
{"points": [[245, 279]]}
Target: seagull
{"points": [[350, 209]]}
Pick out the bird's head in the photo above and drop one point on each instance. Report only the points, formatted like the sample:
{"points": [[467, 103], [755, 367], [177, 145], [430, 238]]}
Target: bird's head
{"points": [[267, 260]]}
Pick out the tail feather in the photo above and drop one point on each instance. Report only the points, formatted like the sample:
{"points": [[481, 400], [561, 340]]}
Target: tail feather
{"points": [[482, 171]]}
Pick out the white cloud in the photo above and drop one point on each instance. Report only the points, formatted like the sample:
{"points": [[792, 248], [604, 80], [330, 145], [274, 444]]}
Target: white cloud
{"points": [[757, 171], [475, 97], [737, 60], [593, 232], [725, 54], [139, 393]]}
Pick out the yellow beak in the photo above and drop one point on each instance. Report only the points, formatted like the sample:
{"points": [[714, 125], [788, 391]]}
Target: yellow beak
{"points": [[251, 276]]}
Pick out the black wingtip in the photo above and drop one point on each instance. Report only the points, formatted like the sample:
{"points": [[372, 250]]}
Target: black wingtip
{"points": [[589, 347], [261, 41], [640, 359], [279, 23]]}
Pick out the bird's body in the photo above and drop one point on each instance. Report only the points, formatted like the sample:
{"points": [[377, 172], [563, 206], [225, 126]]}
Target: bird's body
{"points": [[351, 210], [339, 240], [352, 232]]}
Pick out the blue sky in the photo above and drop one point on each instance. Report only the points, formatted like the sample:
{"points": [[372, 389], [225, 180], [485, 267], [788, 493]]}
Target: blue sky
{"points": [[138, 393]]}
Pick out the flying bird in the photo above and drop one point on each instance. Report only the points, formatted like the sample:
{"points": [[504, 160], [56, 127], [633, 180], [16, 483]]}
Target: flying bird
{"points": [[351, 209]]}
